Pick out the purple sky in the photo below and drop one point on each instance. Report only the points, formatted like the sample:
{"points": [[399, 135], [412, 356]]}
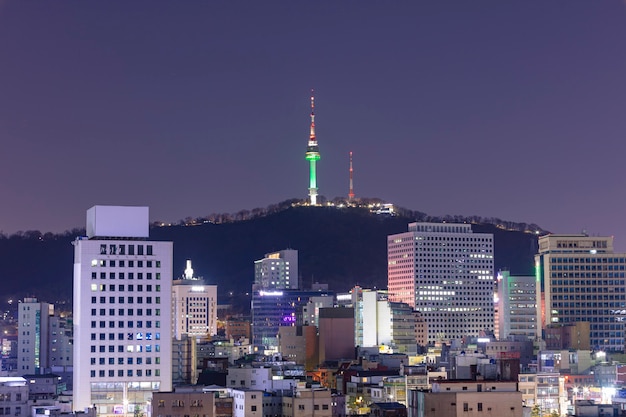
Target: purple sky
{"points": [[508, 109]]}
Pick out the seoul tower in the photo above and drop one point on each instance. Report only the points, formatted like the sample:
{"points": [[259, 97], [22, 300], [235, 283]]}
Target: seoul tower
{"points": [[312, 155]]}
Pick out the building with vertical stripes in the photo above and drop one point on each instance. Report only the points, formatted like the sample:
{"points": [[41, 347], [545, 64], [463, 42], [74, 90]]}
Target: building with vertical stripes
{"points": [[444, 271]]}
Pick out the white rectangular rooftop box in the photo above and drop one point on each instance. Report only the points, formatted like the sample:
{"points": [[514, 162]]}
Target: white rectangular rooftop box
{"points": [[117, 221]]}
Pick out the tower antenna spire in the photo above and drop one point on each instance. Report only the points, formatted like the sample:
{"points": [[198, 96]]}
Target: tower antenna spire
{"points": [[312, 135], [312, 155], [351, 192]]}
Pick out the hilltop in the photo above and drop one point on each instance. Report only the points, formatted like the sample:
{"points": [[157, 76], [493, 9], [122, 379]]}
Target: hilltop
{"points": [[339, 246]]}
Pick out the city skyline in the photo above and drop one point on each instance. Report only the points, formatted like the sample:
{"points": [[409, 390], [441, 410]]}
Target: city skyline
{"points": [[497, 110]]}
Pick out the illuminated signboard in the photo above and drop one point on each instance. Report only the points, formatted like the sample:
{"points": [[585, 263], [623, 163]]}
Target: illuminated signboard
{"points": [[270, 293], [289, 319]]}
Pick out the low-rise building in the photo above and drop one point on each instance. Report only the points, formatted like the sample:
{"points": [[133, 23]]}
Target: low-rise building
{"points": [[565, 361], [250, 377], [45, 386], [186, 402], [14, 396], [247, 402], [453, 398], [306, 401], [388, 409], [574, 335], [420, 376], [546, 390]]}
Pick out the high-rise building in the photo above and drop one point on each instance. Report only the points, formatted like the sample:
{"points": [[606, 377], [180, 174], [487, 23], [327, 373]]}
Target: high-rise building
{"points": [[381, 323], [517, 306], [272, 309], [122, 313], [194, 306], [44, 338], [33, 336], [584, 280], [277, 271], [444, 271]]}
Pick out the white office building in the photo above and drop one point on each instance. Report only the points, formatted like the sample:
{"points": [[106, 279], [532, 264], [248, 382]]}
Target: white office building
{"points": [[194, 306], [122, 313], [379, 322], [277, 270], [444, 271]]}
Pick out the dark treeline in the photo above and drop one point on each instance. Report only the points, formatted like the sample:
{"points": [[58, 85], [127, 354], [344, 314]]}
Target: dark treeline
{"points": [[339, 246]]}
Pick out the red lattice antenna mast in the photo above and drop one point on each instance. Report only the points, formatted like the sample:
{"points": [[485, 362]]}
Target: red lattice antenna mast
{"points": [[351, 192]]}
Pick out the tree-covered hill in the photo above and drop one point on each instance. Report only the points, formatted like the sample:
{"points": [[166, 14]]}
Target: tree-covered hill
{"points": [[338, 246]]}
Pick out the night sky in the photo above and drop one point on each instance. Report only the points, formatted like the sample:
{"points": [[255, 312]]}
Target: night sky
{"points": [[514, 110]]}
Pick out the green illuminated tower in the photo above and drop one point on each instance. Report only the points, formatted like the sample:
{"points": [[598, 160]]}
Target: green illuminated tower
{"points": [[312, 155]]}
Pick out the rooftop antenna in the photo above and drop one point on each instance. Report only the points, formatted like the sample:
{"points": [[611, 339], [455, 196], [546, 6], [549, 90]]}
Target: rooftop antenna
{"points": [[351, 192]]}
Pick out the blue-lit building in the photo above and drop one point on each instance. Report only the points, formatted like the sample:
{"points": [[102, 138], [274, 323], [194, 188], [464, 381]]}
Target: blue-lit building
{"points": [[272, 309]]}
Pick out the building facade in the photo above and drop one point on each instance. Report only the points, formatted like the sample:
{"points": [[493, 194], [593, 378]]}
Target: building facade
{"points": [[272, 309], [467, 398], [194, 306], [574, 336], [44, 338], [299, 344], [14, 395], [307, 401], [277, 270], [517, 306], [444, 271], [370, 313], [186, 402], [61, 337], [584, 280], [33, 336], [336, 334], [122, 312], [380, 322]]}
